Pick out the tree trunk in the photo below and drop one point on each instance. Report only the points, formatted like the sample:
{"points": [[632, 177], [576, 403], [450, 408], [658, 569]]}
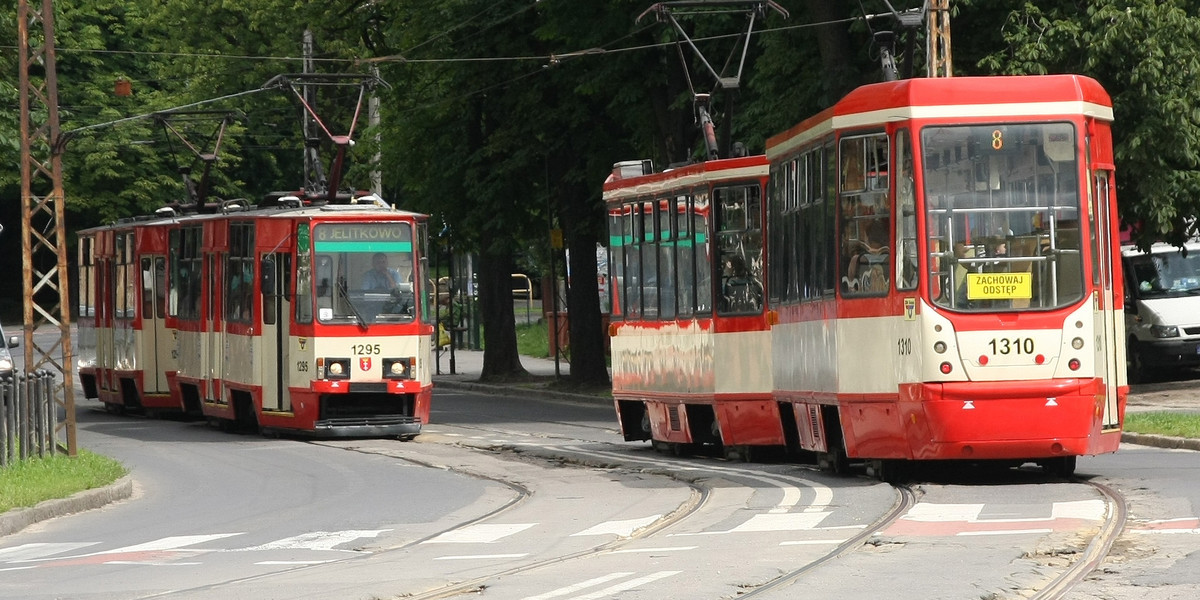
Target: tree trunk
{"points": [[588, 364], [500, 359], [833, 41]]}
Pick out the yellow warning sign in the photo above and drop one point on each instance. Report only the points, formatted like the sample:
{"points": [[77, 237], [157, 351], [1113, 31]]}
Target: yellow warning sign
{"points": [[999, 286]]}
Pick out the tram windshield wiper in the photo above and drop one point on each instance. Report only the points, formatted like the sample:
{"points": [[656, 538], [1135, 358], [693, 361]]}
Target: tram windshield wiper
{"points": [[341, 290]]}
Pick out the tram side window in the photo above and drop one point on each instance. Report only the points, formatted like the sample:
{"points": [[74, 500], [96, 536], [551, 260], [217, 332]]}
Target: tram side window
{"points": [[420, 278], [87, 277], [147, 288], [906, 215], [649, 255], [739, 242], [667, 271], [633, 261], [124, 299], [780, 230], [685, 257], [174, 281], [814, 246], [184, 283], [304, 309], [240, 272], [865, 225], [616, 262], [700, 228]]}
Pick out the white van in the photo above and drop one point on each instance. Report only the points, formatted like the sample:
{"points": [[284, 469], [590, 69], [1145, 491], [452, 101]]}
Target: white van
{"points": [[1162, 308]]}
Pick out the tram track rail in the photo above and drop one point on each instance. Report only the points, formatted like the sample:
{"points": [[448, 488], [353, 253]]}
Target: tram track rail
{"points": [[906, 498], [1096, 551]]}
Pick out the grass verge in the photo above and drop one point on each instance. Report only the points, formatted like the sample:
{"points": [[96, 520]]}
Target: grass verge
{"points": [[1164, 423], [533, 339], [25, 483]]}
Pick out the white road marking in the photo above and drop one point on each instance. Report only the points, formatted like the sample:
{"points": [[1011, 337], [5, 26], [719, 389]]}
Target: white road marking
{"points": [[484, 533], [1092, 510], [822, 494], [769, 522], [479, 556], [38, 550], [582, 585], [170, 543], [318, 540], [293, 562], [663, 549], [1005, 532], [618, 528], [611, 591], [937, 513]]}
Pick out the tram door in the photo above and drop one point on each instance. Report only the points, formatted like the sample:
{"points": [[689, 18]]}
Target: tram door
{"points": [[1102, 274], [105, 342], [276, 312], [213, 338], [154, 332]]}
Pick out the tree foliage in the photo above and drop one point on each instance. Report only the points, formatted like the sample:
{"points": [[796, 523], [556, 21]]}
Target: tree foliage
{"points": [[502, 118], [1146, 53]]}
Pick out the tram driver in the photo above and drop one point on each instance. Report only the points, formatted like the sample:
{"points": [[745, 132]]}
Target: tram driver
{"points": [[386, 279], [381, 277]]}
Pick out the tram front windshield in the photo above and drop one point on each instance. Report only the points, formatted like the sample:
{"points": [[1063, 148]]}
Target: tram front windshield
{"points": [[1002, 215], [364, 273]]}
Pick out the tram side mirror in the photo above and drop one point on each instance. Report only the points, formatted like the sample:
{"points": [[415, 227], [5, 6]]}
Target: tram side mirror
{"points": [[268, 277]]}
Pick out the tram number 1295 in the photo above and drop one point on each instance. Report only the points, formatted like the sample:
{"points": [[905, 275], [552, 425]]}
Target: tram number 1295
{"points": [[1011, 345]]}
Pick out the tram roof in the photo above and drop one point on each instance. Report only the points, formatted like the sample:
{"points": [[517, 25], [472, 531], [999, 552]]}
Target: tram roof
{"points": [[317, 212], [950, 98], [710, 171]]}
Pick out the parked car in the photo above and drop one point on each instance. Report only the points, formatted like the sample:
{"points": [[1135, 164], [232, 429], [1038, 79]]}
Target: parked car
{"points": [[1162, 308], [6, 360]]}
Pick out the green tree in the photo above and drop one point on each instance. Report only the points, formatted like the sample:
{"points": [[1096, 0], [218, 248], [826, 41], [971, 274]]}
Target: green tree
{"points": [[1146, 53]]}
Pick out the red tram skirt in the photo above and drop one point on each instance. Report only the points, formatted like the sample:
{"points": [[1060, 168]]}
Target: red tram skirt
{"points": [[982, 421]]}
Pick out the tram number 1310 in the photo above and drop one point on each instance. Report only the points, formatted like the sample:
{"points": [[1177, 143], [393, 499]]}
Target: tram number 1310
{"points": [[1011, 345]]}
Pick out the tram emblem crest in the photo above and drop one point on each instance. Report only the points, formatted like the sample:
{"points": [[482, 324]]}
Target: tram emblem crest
{"points": [[364, 363]]}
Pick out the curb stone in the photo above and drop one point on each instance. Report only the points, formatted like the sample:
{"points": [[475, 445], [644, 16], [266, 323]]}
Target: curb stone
{"points": [[1160, 441], [18, 519]]}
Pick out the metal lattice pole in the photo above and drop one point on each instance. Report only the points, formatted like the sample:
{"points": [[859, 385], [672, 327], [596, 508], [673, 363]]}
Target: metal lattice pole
{"points": [[43, 239]]}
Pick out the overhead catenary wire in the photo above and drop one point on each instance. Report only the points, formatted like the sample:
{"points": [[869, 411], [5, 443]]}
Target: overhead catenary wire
{"points": [[547, 60]]}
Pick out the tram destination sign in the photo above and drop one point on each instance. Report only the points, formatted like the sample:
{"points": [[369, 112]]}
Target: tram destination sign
{"points": [[362, 237], [999, 286]]}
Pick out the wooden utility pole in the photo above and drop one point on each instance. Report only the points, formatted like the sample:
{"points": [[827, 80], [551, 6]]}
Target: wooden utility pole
{"points": [[938, 52], [43, 240]]}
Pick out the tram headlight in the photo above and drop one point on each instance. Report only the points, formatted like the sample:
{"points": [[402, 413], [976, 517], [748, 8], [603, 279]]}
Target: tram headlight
{"points": [[1077, 343], [939, 347], [1164, 331], [397, 368], [334, 368]]}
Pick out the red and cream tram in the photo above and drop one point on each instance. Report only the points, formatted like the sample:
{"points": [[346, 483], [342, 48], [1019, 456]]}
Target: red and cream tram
{"points": [[125, 351], [969, 305], [942, 281], [691, 361], [292, 317]]}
